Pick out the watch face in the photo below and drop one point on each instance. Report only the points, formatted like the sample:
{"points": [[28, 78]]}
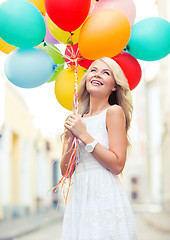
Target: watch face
{"points": [[89, 148]]}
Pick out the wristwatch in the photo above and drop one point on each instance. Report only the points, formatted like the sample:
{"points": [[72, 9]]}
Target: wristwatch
{"points": [[90, 146]]}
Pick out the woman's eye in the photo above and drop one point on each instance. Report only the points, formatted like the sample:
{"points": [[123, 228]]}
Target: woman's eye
{"points": [[107, 73], [93, 70]]}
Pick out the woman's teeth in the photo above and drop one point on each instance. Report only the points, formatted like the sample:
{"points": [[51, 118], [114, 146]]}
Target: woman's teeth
{"points": [[96, 82]]}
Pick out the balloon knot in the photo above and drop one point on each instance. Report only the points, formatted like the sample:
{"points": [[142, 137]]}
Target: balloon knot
{"points": [[126, 48], [55, 66], [45, 44], [70, 42]]}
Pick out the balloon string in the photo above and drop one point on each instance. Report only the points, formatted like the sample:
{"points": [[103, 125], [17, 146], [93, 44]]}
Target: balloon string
{"points": [[73, 58], [58, 53], [92, 8], [77, 52], [69, 40], [72, 53], [74, 159], [75, 91]]}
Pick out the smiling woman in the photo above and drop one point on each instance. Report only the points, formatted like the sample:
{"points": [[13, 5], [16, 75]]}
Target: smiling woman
{"points": [[101, 128], [100, 75], [115, 88]]}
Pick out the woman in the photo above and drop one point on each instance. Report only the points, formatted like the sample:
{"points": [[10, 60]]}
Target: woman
{"points": [[97, 206]]}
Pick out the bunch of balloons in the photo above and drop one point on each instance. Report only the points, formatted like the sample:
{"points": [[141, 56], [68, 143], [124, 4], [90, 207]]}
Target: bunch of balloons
{"points": [[91, 29]]}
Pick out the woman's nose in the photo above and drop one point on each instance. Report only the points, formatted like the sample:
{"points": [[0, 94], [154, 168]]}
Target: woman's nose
{"points": [[97, 74]]}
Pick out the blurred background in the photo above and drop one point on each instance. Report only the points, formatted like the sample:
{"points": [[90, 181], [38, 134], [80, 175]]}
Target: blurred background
{"points": [[31, 121]]}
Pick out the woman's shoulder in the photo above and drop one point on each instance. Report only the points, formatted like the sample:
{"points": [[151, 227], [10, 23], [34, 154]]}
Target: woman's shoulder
{"points": [[114, 109], [115, 112]]}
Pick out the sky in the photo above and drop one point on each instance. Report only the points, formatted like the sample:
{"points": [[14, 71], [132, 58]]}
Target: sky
{"points": [[48, 114]]}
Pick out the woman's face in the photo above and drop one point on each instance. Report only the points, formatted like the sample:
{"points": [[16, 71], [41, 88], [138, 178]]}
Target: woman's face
{"points": [[100, 80]]}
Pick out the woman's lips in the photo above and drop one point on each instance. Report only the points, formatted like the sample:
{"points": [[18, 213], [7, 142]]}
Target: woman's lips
{"points": [[96, 82]]}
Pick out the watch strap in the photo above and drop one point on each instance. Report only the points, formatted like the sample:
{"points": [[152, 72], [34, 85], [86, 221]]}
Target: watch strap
{"points": [[90, 146]]}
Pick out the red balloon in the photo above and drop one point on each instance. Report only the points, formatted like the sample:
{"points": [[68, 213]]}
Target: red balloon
{"points": [[85, 62], [68, 14], [72, 53], [130, 67]]}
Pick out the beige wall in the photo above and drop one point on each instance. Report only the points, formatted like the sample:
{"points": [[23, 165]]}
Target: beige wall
{"points": [[164, 81], [23, 151], [17, 115]]}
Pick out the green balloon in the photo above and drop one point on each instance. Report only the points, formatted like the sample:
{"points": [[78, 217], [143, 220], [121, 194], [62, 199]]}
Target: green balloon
{"points": [[21, 24], [150, 39], [57, 57]]}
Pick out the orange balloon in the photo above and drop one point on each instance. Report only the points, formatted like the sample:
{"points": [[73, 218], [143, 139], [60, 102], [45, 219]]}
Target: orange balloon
{"points": [[40, 5], [64, 85], [5, 47], [104, 34]]}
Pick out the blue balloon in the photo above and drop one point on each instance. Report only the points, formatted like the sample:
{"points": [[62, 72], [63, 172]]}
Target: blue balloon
{"points": [[150, 39], [29, 68]]}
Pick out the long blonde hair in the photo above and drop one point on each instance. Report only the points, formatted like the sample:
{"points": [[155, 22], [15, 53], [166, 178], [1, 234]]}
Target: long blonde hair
{"points": [[119, 97]]}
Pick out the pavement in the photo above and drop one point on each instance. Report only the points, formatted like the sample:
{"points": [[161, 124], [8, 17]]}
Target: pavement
{"points": [[17, 227], [154, 216], [14, 228], [161, 221]]}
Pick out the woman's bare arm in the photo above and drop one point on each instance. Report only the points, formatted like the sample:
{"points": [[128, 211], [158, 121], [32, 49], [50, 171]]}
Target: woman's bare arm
{"points": [[113, 158], [66, 154]]}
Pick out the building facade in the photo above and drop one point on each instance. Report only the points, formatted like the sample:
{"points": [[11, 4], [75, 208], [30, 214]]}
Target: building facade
{"points": [[164, 85], [147, 172], [27, 160]]}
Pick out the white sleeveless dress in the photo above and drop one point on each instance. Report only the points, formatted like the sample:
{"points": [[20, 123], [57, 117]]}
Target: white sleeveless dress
{"points": [[97, 207]]}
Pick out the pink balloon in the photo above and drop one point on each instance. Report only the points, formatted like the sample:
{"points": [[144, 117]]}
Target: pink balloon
{"points": [[49, 37], [125, 6]]}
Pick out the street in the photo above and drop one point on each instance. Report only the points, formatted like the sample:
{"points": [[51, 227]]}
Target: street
{"points": [[53, 232]]}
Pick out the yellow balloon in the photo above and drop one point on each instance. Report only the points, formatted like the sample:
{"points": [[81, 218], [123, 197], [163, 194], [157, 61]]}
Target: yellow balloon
{"points": [[64, 85], [5, 47], [40, 5], [63, 36]]}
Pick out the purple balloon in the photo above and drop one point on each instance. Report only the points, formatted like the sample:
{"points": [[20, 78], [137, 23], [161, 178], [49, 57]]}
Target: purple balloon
{"points": [[49, 37]]}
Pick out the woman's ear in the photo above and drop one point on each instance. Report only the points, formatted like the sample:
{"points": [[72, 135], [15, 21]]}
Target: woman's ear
{"points": [[114, 89]]}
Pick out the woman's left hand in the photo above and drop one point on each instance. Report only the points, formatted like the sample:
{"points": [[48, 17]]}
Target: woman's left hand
{"points": [[75, 124]]}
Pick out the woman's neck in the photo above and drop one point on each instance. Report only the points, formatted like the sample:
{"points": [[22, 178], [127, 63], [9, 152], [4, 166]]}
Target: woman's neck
{"points": [[97, 105]]}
